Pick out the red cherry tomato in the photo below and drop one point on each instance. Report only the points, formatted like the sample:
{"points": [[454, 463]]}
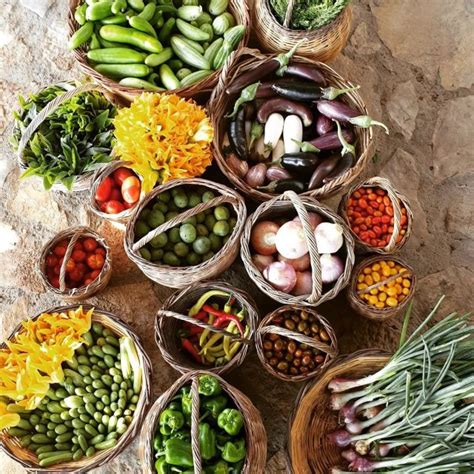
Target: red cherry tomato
{"points": [[89, 244], [114, 207], [100, 251], [116, 195], [96, 261], [70, 265], [131, 189], [104, 189], [88, 281], [94, 274], [103, 206], [57, 269], [51, 261], [82, 267], [121, 174], [127, 205], [60, 250], [54, 281], [76, 275], [78, 255], [78, 245]]}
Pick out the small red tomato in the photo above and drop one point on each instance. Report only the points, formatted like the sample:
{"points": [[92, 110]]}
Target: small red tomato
{"points": [[127, 205], [70, 265], [78, 245], [114, 207], [100, 251], [103, 206], [104, 189], [131, 189], [82, 267], [94, 274], [76, 275], [78, 255], [57, 270], [54, 281], [96, 262], [89, 244], [60, 250], [88, 281], [121, 174], [51, 261], [116, 195]]}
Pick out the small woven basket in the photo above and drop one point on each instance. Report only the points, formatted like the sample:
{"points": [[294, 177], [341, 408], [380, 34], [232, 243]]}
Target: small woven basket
{"points": [[179, 277], [368, 311], [174, 311], [238, 8], [29, 460], [309, 448], [220, 104], [266, 327], [396, 198], [75, 294], [81, 182], [281, 206], [322, 44], [255, 435], [100, 175]]}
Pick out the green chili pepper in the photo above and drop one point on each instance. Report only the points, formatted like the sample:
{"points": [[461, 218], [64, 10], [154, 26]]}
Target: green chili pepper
{"points": [[207, 441], [220, 467], [161, 466], [202, 301], [234, 451], [186, 401], [209, 386], [247, 95], [178, 453], [171, 421], [215, 405], [158, 442], [174, 405], [231, 421]]}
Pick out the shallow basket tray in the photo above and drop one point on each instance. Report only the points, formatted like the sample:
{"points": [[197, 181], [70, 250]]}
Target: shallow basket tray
{"points": [[179, 277], [255, 435], [238, 8], [174, 311], [309, 448], [28, 459], [220, 105]]}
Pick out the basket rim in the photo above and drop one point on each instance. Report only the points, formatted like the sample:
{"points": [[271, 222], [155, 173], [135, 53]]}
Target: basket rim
{"points": [[104, 456]]}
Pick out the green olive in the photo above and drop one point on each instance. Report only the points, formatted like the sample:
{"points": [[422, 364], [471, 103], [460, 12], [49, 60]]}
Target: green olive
{"points": [[188, 233], [164, 196], [170, 215], [145, 253], [181, 249], [202, 245], [172, 206], [193, 259], [141, 229], [216, 242], [191, 220], [156, 254], [232, 222], [200, 218], [210, 221], [173, 235], [194, 199], [144, 214], [171, 259], [221, 228], [155, 218], [181, 199], [160, 206], [207, 256], [202, 230], [207, 196], [159, 241], [221, 213]]}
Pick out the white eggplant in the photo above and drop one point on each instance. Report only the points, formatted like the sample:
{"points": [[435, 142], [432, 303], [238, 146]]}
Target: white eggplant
{"points": [[292, 133], [278, 151], [273, 130], [261, 152]]}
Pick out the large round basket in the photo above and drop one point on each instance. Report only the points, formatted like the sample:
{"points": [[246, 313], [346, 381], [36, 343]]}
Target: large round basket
{"points": [[179, 277], [174, 312], [328, 350], [284, 205], [29, 460], [220, 105], [322, 44], [83, 292], [397, 240], [238, 8], [371, 312], [81, 182], [256, 437], [309, 448]]}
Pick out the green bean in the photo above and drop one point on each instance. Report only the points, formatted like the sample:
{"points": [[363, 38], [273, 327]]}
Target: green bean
{"points": [[34, 446], [97, 351], [88, 339], [113, 371], [112, 423], [80, 391], [73, 413], [107, 444], [101, 341], [99, 405], [83, 360], [89, 389], [65, 416], [34, 419], [81, 410], [107, 379], [107, 410], [114, 396], [98, 416], [56, 418], [95, 374], [61, 393], [97, 439], [101, 392], [50, 426], [90, 409], [81, 350], [115, 387], [93, 360], [112, 435], [77, 423], [102, 364], [97, 329], [113, 341], [85, 417], [72, 363], [65, 437]]}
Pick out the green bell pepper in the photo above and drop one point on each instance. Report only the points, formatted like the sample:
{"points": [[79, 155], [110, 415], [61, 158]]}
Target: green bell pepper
{"points": [[209, 386], [231, 421], [220, 467], [158, 442], [215, 405], [184, 435], [171, 421], [207, 441], [238, 467], [234, 451], [186, 401], [161, 466], [179, 453]]}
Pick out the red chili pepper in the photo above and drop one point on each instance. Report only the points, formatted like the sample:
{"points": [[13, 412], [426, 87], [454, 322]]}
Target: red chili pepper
{"points": [[189, 347], [202, 316], [223, 317], [195, 330]]}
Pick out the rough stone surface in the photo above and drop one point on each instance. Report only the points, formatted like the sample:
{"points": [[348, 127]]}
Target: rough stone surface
{"points": [[414, 63]]}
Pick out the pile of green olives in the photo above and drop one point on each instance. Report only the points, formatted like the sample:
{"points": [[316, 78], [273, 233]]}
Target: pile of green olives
{"points": [[192, 242]]}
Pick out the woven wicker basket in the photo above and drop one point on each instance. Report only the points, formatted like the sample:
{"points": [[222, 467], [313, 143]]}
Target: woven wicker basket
{"points": [[179, 277], [221, 102], [82, 182], [75, 294], [284, 205], [100, 175], [322, 44], [29, 460], [396, 199], [174, 311], [256, 437], [265, 327], [309, 448], [370, 312], [238, 8]]}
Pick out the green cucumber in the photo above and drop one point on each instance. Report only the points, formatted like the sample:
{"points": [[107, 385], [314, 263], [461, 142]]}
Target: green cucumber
{"points": [[207, 28], [221, 56], [192, 44], [141, 24], [148, 12], [222, 23], [99, 11], [175, 64], [181, 74], [216, 7], [136, 38], [81, 36], [118, 19], [80, 14], [189, 12], [204, 18], [234, 35], [165, 32], [196, 76], [191, 32], [140, 84], [188, 55], [213, 49], [168, 79], [123, 70], [137, 5], [119, 6], [154, 60]]}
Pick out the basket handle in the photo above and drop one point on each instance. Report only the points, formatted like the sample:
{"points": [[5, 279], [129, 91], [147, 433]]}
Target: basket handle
{"points": [[296, 336], [405, 274], [195, 443], [47, 110], [289, 13], [202, 324], [67, 256], [182, 217]]}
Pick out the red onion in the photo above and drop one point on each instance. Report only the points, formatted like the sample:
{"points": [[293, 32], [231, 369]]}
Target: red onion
{"points": [[329, 237], [262, 261], [299, 264], [304, 284], [281, 276], [314, 219], [291, 241], [332, 267], [263, 237]]}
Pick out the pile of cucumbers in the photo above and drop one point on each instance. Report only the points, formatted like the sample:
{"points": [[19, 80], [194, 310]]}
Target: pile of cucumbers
{"points": [[91, 408], [156, 45]]}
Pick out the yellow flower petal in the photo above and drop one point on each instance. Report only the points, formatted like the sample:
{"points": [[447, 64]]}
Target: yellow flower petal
{"points": [[9, 420]]}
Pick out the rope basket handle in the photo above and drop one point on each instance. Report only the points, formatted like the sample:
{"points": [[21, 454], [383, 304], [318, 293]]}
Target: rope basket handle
{"points": [[67, 255], [195, 443], [405, 274], [289, 13], [202, 324], [182, 217], [47, 110], [296, 336]]}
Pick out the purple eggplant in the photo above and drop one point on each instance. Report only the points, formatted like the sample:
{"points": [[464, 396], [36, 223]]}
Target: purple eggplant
{"points": [[345, 163], [283, 185], [300, 163], [323, 169], [324, 125], [283, 105], [256, 175], [275, 173], [306, 71], [237, 136], [331, 141], [307, 91], [265, 88]]}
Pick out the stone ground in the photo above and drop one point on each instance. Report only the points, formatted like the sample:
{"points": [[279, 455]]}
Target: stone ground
{"points": [[414, 61]]}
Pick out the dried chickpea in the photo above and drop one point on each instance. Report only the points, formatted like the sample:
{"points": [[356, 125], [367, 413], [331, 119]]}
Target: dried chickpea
{"points": [[406, 283]]}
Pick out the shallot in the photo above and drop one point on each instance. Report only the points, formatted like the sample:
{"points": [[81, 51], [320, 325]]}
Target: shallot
{"points": [[291, 240], [332, 267], [304, 284], [281, 275], [329, 237], [314, 219], [262, 261], [263, 237], [299, 264]]}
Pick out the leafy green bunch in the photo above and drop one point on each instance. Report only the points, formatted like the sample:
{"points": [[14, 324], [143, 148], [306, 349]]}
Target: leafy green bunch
{"points": [[74, 139]]}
